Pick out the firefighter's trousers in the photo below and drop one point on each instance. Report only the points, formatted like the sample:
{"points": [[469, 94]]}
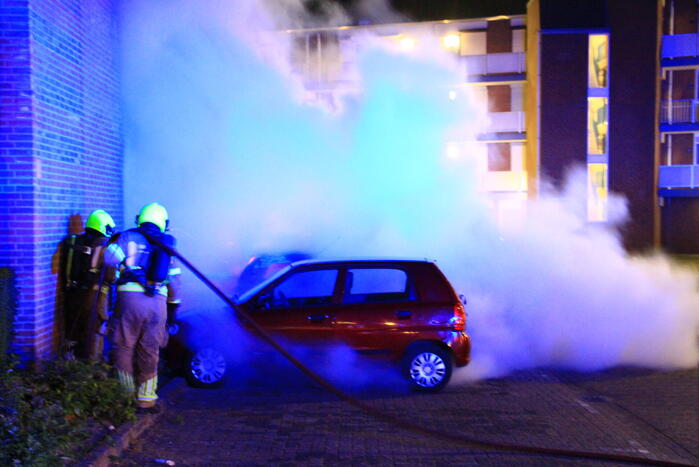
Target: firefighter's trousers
{"points": [[85, 310], [138, 331]]}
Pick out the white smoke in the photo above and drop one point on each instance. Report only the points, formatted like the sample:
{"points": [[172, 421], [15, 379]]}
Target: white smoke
{"points": [[215, 131], [563, 293]]}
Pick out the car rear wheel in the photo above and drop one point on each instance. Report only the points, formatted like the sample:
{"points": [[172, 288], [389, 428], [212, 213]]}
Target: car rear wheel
{"points": [[428, 367], [206, 368]]}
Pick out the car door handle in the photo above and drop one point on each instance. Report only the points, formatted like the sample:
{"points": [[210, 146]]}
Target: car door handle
{"points": [[403, 314], [317, 318]]}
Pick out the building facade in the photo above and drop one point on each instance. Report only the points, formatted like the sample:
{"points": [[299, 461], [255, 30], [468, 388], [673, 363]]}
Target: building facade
{"points": [[597, 90], [679, 127], [491, 62], [567, 84]]}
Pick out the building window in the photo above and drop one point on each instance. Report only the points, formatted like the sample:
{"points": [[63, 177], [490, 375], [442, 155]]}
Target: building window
{"points": [[472, 43], [597, 192], [598, 60], [683, 84], [499, 98], [597, 125], [317, 57], [499, 157], [681, 149], [499, 37]]}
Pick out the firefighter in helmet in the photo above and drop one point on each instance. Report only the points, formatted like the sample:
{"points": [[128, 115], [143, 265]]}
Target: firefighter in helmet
{"points": [[147, 289], [88, 287]]}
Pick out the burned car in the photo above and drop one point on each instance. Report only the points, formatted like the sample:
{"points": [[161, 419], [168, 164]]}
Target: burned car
{"points": [[403, 311]]}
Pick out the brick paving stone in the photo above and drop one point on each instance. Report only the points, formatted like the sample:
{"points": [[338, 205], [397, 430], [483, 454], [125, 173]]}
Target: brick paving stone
{"points": [[291, 422]]}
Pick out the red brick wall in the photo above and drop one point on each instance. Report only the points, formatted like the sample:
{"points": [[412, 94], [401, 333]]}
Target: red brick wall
{"points": [[563, 112], [633, 117], [680, 224], [60, 144]]}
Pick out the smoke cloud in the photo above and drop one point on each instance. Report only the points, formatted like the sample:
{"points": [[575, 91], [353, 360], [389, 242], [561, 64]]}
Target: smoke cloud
{"points": [[216, 131]]}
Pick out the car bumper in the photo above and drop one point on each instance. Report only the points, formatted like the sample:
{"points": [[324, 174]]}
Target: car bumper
{"points": [[460, 344]]}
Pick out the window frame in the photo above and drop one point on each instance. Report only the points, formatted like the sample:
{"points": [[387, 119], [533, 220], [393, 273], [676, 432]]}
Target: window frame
{"points": [[268, 291], [410, 288]]}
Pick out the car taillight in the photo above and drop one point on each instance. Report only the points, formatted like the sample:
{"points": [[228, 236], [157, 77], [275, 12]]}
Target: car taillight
{"points": [[458, 321]]}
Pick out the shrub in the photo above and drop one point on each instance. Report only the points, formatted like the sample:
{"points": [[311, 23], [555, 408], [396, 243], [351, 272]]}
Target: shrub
{"points": [[45, 418], [8, 309]]}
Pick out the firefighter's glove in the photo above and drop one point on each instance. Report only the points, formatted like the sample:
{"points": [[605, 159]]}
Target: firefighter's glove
{"points": [[150, 290], [137, 275]]}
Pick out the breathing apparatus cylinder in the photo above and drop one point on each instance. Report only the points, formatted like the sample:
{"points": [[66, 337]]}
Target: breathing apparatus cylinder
{"points": [[160, 260]]}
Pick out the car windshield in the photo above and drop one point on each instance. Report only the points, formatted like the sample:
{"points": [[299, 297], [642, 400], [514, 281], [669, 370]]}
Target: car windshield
{"points": [[263, 266], [250, 293]]}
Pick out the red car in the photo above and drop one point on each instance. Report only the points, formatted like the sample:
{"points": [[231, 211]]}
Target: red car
{"points": [[402, 310]]}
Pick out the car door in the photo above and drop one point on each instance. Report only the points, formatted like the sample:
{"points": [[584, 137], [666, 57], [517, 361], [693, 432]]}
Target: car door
{"points": [[299, 307], [378, 308]]}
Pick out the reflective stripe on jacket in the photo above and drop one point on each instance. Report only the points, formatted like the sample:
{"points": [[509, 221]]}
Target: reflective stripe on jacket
{"points": [[136, 287]]}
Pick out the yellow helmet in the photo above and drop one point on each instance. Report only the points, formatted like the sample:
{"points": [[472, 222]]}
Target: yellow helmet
{"points": [[155, 214], [101, 221]]}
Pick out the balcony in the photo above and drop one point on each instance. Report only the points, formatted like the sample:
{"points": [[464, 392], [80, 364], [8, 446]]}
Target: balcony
{"points": [[503, 182], [680, 46], [506, 63], [678, 176], [679, 111], [506, 122]]}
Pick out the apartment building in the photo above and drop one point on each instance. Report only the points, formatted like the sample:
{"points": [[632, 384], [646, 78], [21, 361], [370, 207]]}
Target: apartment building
{"points": [[491, 58], [679, 127], [595, 103], [567, 84]]}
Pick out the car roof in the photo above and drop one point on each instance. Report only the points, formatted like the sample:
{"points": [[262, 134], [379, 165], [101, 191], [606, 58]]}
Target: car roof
{"points": [[356, 260]]}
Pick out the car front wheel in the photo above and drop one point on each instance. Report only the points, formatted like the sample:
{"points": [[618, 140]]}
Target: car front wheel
{"points": [[428, 367], [206, 368]]}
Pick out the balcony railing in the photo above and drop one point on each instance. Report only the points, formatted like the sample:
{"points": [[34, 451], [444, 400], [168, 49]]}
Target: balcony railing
{"points": [[505, 122], [493, 63], [679, 111], [680, 45], [679, 176]]}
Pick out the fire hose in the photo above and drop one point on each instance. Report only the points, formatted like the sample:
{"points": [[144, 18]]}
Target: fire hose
{"points": [[396, 421]]}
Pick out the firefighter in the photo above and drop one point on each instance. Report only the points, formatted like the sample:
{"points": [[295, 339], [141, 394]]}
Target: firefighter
{"points": [[88, 287], [146, 295]]}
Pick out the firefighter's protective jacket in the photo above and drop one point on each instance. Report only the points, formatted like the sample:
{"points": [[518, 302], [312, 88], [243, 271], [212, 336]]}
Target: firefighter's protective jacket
{"points": [[135, 257]]}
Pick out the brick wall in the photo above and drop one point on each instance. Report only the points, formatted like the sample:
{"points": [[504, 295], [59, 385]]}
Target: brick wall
{"points": [[633, 117], [60, 144], [16, 159]]}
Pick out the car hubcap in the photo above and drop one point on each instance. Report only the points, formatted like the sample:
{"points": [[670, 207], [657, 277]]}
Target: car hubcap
{"points": [[208, 366], [428, 369]]}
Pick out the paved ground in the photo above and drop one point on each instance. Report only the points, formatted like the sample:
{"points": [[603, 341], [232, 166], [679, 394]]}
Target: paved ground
{"points": [[277, 417]]}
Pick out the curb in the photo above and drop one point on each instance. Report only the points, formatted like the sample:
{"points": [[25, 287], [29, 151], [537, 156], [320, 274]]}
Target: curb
{"points": [[116, 442]]}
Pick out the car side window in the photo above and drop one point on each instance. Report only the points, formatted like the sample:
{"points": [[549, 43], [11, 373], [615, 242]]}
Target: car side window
{"points": [[377, 285], [306, 288]]}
